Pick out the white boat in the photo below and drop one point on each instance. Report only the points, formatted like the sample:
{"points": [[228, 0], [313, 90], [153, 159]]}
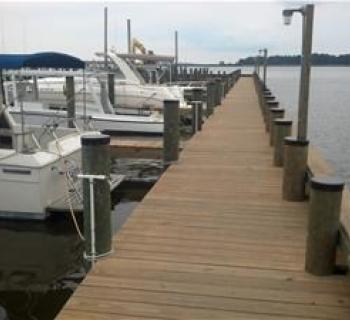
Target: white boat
{"points": [[132, 95], [93, 107], [37, 168], [132, 92], [38, 164]]}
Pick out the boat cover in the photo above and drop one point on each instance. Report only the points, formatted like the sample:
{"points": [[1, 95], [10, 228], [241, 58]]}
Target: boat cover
{"points": [[54, 60]]}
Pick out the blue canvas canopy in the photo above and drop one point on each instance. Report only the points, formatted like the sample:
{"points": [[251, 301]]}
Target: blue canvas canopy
{"points": [[40, 60]]}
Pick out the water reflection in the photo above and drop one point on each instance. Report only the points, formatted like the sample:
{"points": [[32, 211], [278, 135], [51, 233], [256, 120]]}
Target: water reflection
{"points": [[40, 265]]}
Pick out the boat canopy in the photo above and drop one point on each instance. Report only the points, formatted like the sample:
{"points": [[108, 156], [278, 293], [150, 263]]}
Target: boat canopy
{"points": [[40, 60]]}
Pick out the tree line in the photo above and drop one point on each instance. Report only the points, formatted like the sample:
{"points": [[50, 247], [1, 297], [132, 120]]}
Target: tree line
{"points": [[316, 59]]}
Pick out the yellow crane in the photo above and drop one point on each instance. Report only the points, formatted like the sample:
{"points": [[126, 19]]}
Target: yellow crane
{"points": [[136, 44]]}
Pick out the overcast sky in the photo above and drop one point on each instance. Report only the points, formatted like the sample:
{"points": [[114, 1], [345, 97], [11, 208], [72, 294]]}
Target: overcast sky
{"points": [[208, 31]]}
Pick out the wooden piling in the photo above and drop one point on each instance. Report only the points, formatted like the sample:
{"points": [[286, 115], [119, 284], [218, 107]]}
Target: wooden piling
{"points": [[217, 92], [210, 97], [70, 98], [96, 161], [283, 129], [294, 170], [171, 136], [275, 113], [35, 88], [111, 92], [323, 226], [268, 105]]}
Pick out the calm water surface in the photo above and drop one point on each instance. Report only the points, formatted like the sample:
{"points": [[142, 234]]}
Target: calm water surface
{"points": [[329, 109], [41, 263]]}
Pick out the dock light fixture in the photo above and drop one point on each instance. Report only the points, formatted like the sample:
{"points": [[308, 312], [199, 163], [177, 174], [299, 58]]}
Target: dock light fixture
{"points": [[307, 12]]}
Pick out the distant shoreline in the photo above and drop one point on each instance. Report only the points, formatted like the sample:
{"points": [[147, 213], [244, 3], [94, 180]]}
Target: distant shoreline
{"points": [[204, 65]]}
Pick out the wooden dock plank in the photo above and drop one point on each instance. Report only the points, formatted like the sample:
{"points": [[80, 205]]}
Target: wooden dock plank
{"points": [[213, 239]]}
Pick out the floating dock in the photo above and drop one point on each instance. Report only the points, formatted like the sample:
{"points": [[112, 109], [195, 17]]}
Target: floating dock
{"points": [[213, 239]]}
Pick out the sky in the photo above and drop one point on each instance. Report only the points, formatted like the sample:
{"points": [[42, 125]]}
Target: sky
{"points": [[208, 31]]}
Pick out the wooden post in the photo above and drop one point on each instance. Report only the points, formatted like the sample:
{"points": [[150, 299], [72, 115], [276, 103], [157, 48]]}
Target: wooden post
{"points": [[171, 136], [269, 104], [294, 170], [275, 113], [111, 93], [210, 97], [323, 227], [218, 91], [96, 161], [70, 98], [283, 129], [222, 83], [35, 88], [197, 109]]}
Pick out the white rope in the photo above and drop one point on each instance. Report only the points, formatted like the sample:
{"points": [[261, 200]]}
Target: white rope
{"points": [[71, 210]]}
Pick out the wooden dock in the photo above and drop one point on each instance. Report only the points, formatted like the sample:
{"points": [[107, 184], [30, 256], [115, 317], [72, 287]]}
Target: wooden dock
{"points": [[213, 239]]}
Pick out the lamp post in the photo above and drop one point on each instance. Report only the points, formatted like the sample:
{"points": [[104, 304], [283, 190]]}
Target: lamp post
{"points": [[264, 51], [257, 64], [296, 149], [307, 13]]}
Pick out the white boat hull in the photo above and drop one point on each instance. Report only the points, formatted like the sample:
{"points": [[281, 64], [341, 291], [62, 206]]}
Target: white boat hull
{"points": [[108, 123], [30, 183]]}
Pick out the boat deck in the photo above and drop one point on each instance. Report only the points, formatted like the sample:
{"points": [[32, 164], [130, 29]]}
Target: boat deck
{"points": [[213, 239]]}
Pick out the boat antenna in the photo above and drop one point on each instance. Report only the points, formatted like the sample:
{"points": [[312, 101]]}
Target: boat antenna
{"points": [[105, 36], [129, 35], [20, 94]]}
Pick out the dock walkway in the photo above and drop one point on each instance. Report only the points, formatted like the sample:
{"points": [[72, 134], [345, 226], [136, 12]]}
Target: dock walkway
{"points": [[213, 239]]}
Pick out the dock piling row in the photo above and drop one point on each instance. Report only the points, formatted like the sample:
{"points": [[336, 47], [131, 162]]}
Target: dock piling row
{"points": [[291, 153]]}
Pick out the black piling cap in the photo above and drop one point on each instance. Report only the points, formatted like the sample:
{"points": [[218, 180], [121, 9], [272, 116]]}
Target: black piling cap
{"points": [[95, 139], [293, 141], [283, 122], [327, 183], [277, 110], [272, 103]]}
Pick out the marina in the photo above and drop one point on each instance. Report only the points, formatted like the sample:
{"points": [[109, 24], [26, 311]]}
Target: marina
{"points": [[178, 167], [187, 254]]}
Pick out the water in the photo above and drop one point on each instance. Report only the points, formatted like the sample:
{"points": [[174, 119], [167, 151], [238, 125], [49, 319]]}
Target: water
{"points": [[41, 263], [329, 109]]}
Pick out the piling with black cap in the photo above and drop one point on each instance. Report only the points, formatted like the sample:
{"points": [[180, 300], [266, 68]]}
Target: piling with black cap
{"points": [[210, 97], [70, 99], [96, 161], [323, 227], [282, 129], [269, 104], [171, 136], [223, 92], [218, 92], [35, 88], [111, 92], [294, 169], [197, 109], [275, 113]]}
